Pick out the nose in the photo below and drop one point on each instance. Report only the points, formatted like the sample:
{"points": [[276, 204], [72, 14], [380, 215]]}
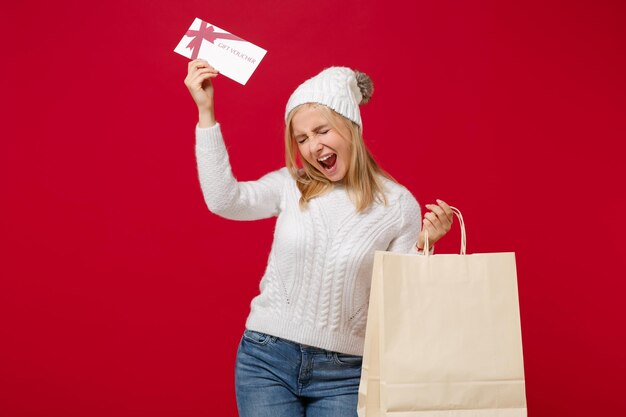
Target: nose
{"points": [[315, 144]]}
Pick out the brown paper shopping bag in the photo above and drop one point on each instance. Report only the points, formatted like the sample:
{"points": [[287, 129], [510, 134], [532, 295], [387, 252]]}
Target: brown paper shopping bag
{"points": [[443, 337]]}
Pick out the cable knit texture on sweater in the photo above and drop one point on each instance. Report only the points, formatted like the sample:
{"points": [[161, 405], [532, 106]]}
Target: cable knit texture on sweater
{"points": [[315, 289]]}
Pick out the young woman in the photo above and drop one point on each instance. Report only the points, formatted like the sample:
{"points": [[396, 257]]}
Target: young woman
{"points": [[301, 351]]}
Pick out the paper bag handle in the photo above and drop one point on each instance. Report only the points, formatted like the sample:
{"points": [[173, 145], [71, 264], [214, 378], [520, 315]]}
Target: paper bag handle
{"points": [[463, 239]]}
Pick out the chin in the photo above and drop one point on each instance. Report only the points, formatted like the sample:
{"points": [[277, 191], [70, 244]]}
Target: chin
{"points": [[336, 178]]}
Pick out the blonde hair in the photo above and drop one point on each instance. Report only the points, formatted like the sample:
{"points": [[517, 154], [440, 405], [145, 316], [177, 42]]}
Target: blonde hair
{"points": [[364, 177]]}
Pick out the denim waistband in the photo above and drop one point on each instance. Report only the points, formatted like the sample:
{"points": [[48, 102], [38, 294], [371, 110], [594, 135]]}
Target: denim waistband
{"points": [[295, 345]]}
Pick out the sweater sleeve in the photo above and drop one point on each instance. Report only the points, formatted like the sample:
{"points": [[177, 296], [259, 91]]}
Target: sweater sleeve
{"points": [[223, 194], [411, 213]]}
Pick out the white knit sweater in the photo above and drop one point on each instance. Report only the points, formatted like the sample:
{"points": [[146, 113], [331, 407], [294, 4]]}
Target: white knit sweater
{"points": [[315, 290]]}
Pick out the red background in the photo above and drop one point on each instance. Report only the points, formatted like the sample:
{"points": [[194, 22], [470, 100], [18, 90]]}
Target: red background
{"points": [[121, 295]]}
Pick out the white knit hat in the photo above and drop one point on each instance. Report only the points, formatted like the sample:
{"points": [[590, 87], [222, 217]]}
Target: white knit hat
{"points": [[339, 88]]}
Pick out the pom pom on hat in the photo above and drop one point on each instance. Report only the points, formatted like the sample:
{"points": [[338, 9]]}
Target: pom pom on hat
{"points": [[365, 85], [339, 88]]}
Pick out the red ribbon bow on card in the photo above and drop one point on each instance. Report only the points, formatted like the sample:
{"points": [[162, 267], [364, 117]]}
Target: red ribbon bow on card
{"points": [[208, 33]]}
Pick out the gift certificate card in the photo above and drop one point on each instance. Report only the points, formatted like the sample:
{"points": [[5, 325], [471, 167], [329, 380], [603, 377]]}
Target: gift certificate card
{"points": [[229, 54]]}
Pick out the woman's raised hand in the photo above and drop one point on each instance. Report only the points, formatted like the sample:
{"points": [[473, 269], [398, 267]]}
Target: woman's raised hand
{"points": [[437, 221], [198, 81]]}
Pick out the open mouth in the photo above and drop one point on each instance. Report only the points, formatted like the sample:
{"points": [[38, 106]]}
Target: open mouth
{"points": [[328, 162]]}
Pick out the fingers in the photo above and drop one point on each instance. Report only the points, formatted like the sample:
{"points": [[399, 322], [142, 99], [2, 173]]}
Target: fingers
{"points": [[199, 71], [442, 210], [443, 213], [433, 220], [197, 64], [446, 208], [438, 221], [440, 224], [204, 73], [196, 78]]}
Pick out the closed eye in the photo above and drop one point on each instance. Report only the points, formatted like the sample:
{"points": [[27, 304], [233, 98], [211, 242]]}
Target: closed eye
{"points": [[321, 130]]}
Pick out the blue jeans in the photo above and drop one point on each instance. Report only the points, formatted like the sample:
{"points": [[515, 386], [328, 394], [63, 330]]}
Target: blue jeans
{"points": [[279, 378]]}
